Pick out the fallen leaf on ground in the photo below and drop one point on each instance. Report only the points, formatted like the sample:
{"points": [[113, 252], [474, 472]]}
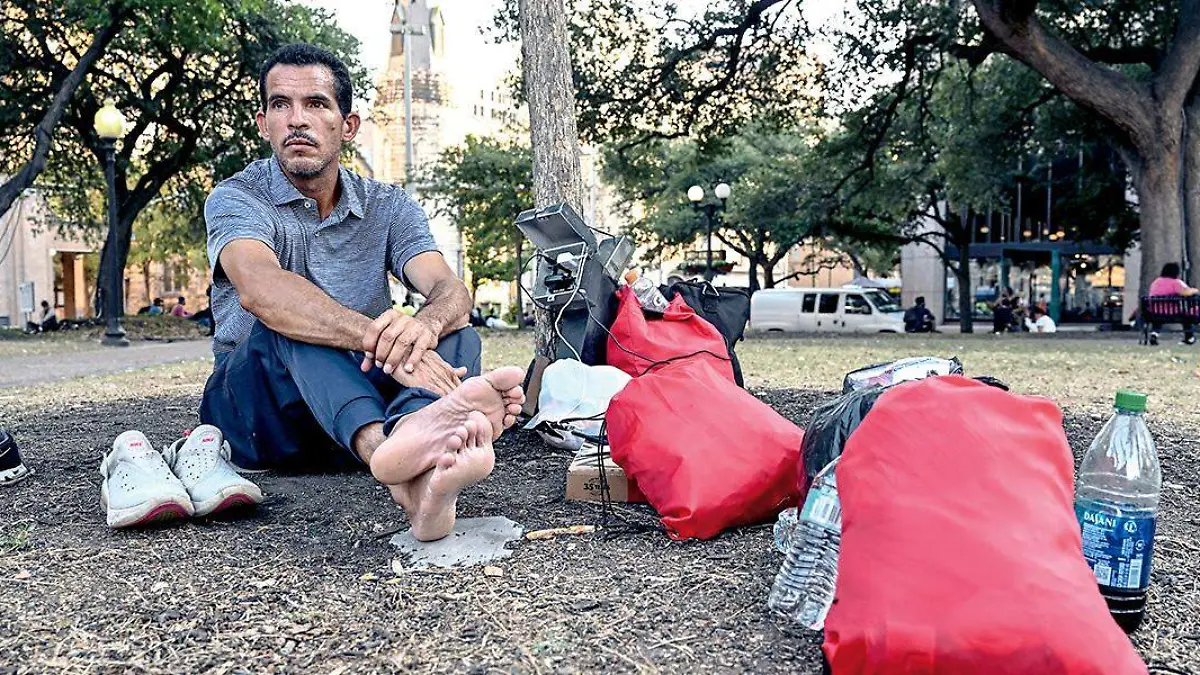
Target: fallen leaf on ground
{"points": [[555, 531], [493, 571], [368, 577], [23, 574]]}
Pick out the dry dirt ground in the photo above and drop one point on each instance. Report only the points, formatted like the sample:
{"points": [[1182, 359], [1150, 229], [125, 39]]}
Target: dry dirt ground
{"points": [[305, 584]]}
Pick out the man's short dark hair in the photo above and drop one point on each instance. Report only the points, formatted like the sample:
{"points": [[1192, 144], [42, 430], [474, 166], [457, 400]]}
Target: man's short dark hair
{"points": [[310, 55], [1170, 270], [920, 299]]}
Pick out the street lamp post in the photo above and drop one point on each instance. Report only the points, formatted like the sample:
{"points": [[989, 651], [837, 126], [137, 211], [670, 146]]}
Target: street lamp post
{"points": [[110, 125], [696, 196]]}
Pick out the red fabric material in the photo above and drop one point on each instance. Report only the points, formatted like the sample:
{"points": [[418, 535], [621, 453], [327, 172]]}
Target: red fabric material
{"points": [[960, 550], [680, 331], [707, 455]]}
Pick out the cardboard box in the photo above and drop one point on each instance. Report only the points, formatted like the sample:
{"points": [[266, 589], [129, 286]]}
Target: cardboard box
{"points": [[584, 483]]}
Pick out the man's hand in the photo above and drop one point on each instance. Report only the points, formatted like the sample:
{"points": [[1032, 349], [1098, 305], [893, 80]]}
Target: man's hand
{"points": [[395, 342], [432, 373]]}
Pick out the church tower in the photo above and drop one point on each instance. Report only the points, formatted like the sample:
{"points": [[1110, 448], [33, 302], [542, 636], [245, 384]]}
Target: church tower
{"points": [[426, 42]]}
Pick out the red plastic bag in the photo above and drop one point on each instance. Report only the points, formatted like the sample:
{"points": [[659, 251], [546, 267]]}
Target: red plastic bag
{"points": [[707, 454], [678, 333], [960, 550]]}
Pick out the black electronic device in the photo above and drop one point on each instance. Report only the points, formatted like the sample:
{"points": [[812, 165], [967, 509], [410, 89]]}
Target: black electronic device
{"points": [[576, 280]]}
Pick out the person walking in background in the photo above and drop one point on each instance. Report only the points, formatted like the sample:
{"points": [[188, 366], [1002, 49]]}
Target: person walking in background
{"points": [[1169, 284]]}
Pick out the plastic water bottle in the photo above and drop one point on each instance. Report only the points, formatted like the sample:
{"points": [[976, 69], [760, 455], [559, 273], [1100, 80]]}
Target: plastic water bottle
{"points": [[1116, 502], [803, 589], [785, 528]]}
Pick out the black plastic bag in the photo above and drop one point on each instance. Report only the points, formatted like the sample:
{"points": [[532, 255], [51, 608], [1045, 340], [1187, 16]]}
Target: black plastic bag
{"points": [[830, 428], [728, 309]]}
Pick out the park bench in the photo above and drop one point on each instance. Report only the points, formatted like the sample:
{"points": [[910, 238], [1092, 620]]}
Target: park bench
{"points": [[1166, 309]]}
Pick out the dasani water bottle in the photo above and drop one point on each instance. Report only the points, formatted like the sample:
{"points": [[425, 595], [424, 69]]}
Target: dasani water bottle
{"points": [[1116, 502]]}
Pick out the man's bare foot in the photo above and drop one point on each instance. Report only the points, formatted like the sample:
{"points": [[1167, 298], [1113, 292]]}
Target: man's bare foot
{"points": [[432, 499], [419, 440]]}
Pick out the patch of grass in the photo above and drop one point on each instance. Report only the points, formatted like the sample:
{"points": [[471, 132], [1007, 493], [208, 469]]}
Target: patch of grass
{"points": [[1078, 373], [16, 538]]}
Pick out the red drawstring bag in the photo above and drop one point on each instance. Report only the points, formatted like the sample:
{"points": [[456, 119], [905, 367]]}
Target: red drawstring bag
{"points": [[960, 550], [678, 333], [706, 454]]}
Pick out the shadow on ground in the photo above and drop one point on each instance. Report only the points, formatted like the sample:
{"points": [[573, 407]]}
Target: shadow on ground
{"points": [[304, 584]]}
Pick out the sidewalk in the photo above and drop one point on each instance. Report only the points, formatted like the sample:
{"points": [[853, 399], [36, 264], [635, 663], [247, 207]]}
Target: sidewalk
{"points": [[28, 370]]}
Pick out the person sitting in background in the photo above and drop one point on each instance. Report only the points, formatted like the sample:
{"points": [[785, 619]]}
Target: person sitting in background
{"points": [[476, 318], [918, 318], [1002, 316], [179, 310], [47, 322], [156, 308], [1169, 284], [1041, 322], [205, 316]]}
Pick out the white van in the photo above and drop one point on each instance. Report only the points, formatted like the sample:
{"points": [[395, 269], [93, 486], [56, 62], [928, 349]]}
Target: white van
{"points": [[850, 309]]}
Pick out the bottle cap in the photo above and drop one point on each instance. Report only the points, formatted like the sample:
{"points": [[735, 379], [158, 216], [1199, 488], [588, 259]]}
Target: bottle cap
{"points": [[1130, 401]]}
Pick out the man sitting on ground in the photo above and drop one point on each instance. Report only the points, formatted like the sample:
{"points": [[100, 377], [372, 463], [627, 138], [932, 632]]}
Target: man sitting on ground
{"points": [[918, 318], [314, 371], [1041, 322]]}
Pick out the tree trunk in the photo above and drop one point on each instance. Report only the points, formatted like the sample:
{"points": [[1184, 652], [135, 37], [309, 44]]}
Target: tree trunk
{"points": [[146, 280], [966, 303], [44, 132], [546, 66], [768, 276], [1192, 188], [753, 275], [1157, 182], [520, 292]]}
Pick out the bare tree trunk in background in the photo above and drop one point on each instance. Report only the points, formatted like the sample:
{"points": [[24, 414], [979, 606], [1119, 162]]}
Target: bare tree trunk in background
{"points": [[546, 66], [966, 300]]}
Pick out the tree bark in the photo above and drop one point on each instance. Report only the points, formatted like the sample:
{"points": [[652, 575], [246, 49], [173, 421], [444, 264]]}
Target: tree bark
{"points": [[517, 280], [768, 276], [1157, 182], [44, 132], [546, 66], [966, 303], [1191, 203]]}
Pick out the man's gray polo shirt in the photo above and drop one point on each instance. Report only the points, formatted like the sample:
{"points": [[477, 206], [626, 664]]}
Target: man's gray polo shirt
{"points": [[375, 228]]}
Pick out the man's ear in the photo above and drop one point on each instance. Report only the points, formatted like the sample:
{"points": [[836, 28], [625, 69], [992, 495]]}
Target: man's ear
{"points": [[350, 126], [260, 119]]}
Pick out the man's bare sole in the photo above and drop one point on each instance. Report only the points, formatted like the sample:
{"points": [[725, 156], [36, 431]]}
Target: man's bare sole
{"points": [[419, 441], [432, 499]]}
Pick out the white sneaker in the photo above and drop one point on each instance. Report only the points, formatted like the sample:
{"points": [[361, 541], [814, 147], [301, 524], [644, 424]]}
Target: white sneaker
{"points": [[138, 486], [202, 463]]}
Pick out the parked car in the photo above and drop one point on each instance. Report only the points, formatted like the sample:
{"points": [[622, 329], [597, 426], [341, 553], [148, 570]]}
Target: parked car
{"points": [[850, 309]]}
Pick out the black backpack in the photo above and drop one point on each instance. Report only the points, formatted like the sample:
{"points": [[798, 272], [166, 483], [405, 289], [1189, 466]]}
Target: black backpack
{"points": [[728, 309]]}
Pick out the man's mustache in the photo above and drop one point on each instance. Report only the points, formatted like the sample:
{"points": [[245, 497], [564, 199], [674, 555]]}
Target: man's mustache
{"points": [[299, 135]]}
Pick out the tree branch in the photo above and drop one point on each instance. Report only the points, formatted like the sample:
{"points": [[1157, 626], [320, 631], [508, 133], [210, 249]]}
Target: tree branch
{"points": [[1180, 67], [1108, 92], [44, 133]]}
